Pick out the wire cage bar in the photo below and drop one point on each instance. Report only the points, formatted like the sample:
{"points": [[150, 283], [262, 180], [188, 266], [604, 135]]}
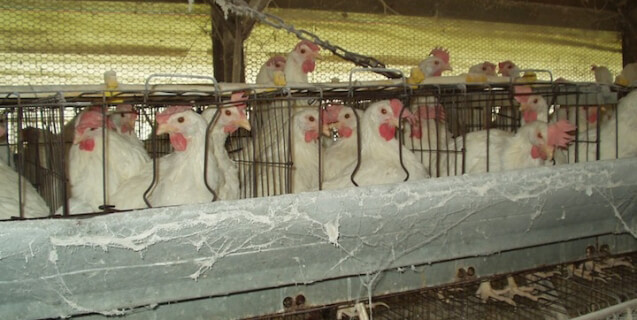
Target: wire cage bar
{"points": [[40, 128], [543, 293]]}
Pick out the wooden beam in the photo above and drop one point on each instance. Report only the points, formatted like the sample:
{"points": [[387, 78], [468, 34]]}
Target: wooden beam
{"points": [[227, 46], [629, 33], [227, 41], [534, 12]]}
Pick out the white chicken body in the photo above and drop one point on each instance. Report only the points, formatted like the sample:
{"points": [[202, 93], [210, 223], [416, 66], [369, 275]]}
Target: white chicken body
{"points": [[475, 148], [616, 134], [602, 75], [32, 203], [268, 69], [227, 179], [121, 160], [380, 159], [342, 153], [179, 178], [629, 73], [304, 152], [432, 138], [300, 61], [506, 151], [486, 68]]}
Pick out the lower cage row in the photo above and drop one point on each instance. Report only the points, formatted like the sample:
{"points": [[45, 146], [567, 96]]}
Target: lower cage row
{"points": [[123, 156], [561, 292]]}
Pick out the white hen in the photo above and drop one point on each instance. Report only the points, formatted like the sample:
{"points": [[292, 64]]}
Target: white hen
{"points": [[6, 154], [343, 152], [301, 61], [486, 68], [508, 69], [427, 134], [269, 70], [123, 119], [121, 159], [602, 75], [532, 106], [230, 119], [436, 63], [12, 186], [531, 146], [302, 150], [380, 160]]}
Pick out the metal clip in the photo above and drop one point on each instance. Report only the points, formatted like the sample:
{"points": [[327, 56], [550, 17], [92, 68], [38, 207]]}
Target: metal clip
{"points": [[335, 135]]}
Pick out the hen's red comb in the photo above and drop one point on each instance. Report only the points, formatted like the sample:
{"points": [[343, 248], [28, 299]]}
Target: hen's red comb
{"points": [[440, 53], [489, 64], [558, 134], [504, 63], [92, 117], [124, 107], [522, 93], [163, 116], [274, 60], [330, 114], [309, 44], [397, 106], [432, 112], [237, 98]]}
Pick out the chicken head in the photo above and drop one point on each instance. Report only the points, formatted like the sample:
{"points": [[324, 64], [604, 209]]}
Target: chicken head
{"points": [[508, 69], [124, 118], [342, 118], [530, 105], [234, 117], [306, 52], [386, 114], [88, 127], [436, 63], [307, 122]]}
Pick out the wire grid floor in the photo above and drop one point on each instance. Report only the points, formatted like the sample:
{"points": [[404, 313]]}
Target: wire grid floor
{"points": [[563, 296]]}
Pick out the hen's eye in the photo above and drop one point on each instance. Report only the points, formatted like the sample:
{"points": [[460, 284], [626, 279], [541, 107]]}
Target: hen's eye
{"points": [[93, 129], [484, 68], [535, 100], [383, 111], [509, 67], [277, 65], [311, 118], [436, 62], [539, 136], [121, 114], [302, 51], [180, 119], [347, 116], [228, 113]]}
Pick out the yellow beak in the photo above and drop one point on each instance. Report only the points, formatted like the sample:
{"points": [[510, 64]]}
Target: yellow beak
{"points": [[165, 128], [395, 122], [327, 130], [244, 123], [318, 56], [77, 138], [523, 107], [549, 150]]}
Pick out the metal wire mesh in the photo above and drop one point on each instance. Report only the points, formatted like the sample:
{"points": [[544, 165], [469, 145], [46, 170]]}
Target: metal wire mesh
{"points": [[559, 295], [39, 127], [75, 42], [402, 41]]}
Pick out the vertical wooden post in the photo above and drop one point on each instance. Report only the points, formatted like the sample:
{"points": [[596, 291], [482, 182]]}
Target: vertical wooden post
{"points": [[228, 36], [629, 33]]}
